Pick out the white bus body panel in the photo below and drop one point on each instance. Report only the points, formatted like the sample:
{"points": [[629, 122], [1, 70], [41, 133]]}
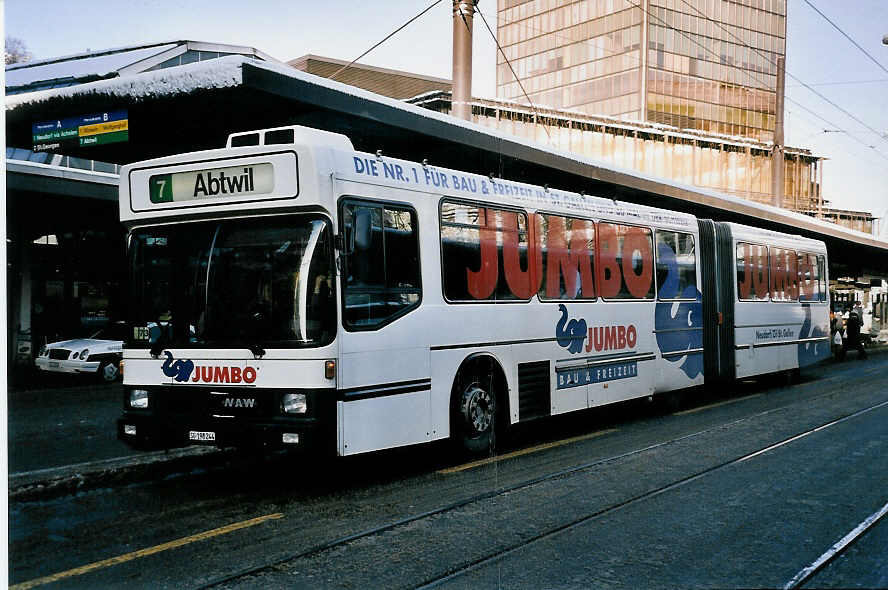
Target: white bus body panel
{"points": [[772, 336], [383, 423]]}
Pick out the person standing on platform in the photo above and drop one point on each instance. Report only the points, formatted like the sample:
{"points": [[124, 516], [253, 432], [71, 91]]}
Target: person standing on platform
{"points": [[852, 335]]}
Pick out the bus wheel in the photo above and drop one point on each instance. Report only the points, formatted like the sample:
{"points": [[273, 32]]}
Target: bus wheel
{"points": [[474, 417]]}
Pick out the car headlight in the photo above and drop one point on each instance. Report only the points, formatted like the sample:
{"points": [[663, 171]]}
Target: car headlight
{"points": [[138, 398], [44, 351], [84, 354], [294, 403]]}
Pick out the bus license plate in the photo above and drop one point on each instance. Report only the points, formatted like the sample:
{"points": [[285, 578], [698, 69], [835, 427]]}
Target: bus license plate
{"points": [[201, 436]]}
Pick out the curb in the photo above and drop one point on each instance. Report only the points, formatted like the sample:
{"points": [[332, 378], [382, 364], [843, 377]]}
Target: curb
{"points": [[48, 483]]}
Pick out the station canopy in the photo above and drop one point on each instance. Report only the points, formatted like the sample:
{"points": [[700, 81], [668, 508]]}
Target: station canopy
{"points": [[195, 106]]}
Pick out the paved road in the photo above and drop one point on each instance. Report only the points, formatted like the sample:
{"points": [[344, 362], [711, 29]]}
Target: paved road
{"points": [[634, 497], [66, 421]]}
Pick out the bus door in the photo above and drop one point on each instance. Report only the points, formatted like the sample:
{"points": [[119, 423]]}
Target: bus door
{"points": [[384, 374]]}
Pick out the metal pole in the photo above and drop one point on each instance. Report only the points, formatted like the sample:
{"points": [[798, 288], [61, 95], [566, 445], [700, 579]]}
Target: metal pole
{"points": [[643, 68], [777, 155], [463, 15]]}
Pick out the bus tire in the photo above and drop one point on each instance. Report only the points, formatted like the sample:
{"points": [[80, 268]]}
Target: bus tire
{"points": [[475, 411]]}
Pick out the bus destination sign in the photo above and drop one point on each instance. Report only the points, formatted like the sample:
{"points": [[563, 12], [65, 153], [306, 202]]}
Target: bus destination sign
{"points": [[82, 131], [233, 181]]}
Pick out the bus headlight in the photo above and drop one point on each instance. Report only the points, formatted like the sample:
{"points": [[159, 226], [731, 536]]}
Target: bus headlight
{"points": [[138, 398], [294, 403]]}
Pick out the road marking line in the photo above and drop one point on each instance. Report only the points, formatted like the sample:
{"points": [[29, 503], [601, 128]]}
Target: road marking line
{"points": [[724, 403], [803, 575], [527, 451], [145, 552]]}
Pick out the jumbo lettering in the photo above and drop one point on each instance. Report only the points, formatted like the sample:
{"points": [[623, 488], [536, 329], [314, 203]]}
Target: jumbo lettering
{"points": [[224, 374], [570, 334], [613, 274], [612, 338], [755, 271], [626, 262], [571, 260]]}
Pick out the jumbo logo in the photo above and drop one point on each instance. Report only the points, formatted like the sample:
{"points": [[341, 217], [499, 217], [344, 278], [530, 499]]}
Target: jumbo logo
{"points": [[571, 334], [182, 371]]}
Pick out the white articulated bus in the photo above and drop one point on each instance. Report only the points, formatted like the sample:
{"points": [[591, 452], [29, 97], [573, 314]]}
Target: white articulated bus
{"points": [[289, 291]]}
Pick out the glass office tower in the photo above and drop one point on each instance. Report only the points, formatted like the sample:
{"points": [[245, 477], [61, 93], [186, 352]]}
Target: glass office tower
{"points": [[708, 65]]}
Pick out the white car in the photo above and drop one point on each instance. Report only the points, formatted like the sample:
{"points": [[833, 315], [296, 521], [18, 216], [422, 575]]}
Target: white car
{"points": [[99, 354]]}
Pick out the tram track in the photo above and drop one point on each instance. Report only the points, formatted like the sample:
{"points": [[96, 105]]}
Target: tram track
{"points": [[802, 577], [842, 545], [548, 477]]}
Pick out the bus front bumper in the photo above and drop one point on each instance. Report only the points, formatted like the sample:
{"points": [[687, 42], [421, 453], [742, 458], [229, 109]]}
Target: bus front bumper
{"points": [[148, 432]]}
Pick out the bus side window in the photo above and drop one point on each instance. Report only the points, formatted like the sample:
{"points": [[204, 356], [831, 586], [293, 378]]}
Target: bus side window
{"points": [[752, 272], [567, 246], [676, 265], [784, 275], [485, 254], [809, 290], [625, 261], [381, 273]]}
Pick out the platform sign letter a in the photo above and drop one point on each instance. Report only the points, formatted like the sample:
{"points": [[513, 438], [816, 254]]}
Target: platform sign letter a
{"points": [[160, 188]]}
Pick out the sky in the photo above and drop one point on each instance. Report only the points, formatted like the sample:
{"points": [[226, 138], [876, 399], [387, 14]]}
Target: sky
{"points": [[848, 124]]}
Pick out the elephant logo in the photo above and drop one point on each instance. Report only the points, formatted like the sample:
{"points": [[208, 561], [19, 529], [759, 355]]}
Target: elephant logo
{"points": [[180, 369], [678, 324], [574, 335], [811, 352]]}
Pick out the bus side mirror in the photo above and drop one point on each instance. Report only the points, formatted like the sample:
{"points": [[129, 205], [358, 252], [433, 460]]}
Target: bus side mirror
{"points": [[361, 233]]}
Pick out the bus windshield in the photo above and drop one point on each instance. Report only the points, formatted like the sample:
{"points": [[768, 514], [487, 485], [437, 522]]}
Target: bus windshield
{"points": [[262, 282]]}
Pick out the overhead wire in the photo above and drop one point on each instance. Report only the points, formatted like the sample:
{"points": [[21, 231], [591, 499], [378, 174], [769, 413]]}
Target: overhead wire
{"points": [[387, 37], [846, 82], [597, 46], [765, 85], [848, 37], [509, 63], [766, 57]]}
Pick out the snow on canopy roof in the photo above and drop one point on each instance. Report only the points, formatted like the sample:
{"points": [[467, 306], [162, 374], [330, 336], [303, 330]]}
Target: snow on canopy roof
{"points": [[85, 65], [215, 73], [227, 71]]}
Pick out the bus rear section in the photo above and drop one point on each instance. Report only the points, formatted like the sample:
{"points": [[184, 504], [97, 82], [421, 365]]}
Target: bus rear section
{"points": [[767, 309]]}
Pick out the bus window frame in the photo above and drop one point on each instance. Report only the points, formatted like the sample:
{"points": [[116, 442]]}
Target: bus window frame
{"points": [[771, 285], [818, 258], [822, 278], [657, 259], [751, 286], [345, 200], [599, 270], [594, 260], [485, 206]]}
